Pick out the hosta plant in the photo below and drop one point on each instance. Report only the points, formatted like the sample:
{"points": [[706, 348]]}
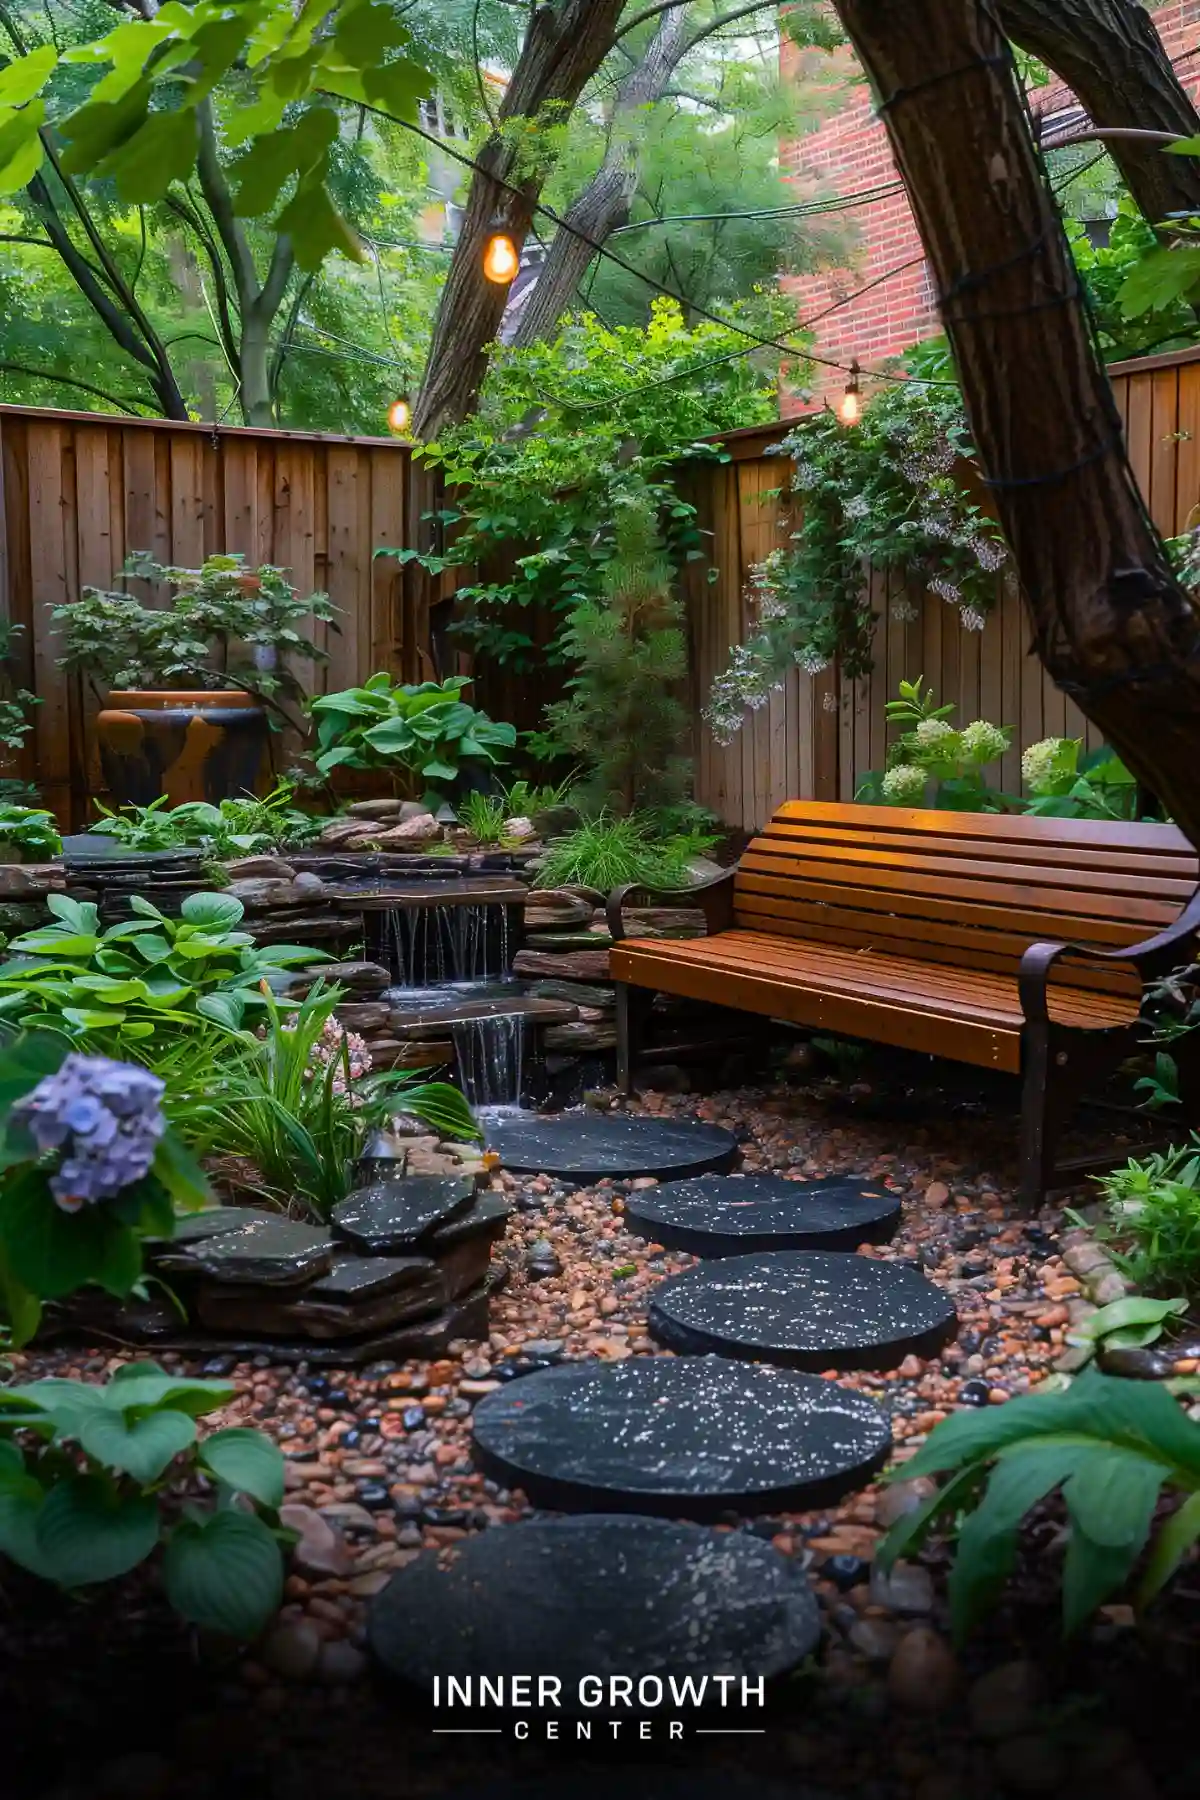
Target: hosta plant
{"points": [[94, 1480], [1112, 1448], [423, 736], [88, 1167], [149, 977]]}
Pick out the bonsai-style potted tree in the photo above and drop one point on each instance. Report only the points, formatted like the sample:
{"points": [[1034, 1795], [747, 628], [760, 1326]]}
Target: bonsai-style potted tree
{"points": [[190, 685]]}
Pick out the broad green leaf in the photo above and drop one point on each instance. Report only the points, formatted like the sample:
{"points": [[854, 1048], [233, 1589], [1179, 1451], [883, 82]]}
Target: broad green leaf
{"points": [[180, 1174], [20, 1507], [101, 126], [262, 171], [1161, 277], [21, 148], [911, 1530], [162, 151], [987, 1543], [317, 228], [51, 1252], [1112, 1494], [142, 1448], [225, 1575], [143, 1387], [1091, 1574], [27, 75], [146, 909], [1134, 1309], [1172, 1542], [65, 1405], [86, 1531], [220, 910], [248, 1461]]}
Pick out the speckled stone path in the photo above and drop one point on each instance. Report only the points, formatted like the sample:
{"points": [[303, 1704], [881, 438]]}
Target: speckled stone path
{"points": [[596, 1596], [589, 1146], [689, 1437], [731, 1215], [804, 1310]]}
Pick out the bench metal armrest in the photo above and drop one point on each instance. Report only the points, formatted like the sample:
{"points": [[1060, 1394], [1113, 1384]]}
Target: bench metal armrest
{"points": [[1156, 955], [714, 898]]}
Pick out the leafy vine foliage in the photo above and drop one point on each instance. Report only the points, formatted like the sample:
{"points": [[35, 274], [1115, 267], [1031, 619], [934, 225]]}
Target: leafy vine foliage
{"points": [[885, 493], [568, 436]]}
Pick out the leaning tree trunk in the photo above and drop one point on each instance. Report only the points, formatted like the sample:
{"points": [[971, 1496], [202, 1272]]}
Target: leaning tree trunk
{"points": [[605, 201], [564, 47], [1113, 60], [1111, 624]]}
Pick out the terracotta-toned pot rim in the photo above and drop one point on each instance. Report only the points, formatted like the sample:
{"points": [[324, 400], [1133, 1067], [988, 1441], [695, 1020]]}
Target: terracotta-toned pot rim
{"points": [[165, 699]]}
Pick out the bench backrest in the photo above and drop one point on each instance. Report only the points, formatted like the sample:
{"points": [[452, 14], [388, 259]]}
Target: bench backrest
{"points": [[968, 889]]}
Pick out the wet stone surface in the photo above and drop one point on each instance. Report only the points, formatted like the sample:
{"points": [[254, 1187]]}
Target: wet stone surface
{"points": [[587, 1146], [266, 1250], [693, 1437], [612, 1596], [728, 1215], [803, 1310], [395, 1215]]}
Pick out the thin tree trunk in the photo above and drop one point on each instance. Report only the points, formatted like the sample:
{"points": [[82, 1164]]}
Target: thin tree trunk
{"points": [[605, 201], [1110, 622], [564, 47], [1112, 58]]}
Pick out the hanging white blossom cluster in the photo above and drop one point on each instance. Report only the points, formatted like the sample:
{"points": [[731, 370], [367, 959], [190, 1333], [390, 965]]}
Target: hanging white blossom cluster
{"points": [[883, 496]]}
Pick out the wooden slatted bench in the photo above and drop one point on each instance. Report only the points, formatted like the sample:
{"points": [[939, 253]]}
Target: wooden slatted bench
{"points": [[1016, 943]]}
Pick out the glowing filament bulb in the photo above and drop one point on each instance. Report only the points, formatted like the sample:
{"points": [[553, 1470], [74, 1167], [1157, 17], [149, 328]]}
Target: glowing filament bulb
{"points": [[400, 415], [500, 259], [850, 408]]}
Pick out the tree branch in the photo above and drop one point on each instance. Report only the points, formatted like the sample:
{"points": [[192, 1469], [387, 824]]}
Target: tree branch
{"points": [[194, 220], [88, 387], [219, 200]]}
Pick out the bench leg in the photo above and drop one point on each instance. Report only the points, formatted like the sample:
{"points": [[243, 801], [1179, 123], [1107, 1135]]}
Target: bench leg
{"points": [[1059, 1066], [633, 1007]]}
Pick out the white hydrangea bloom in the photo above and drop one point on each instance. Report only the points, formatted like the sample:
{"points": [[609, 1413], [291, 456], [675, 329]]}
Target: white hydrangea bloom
{"points": [[931, 732], [1042, 761], [983, 741], [904, 785]]}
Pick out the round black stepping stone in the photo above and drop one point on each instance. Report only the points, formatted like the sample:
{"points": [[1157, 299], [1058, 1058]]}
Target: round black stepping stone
{"points": [[393, 1216], [595, 1596], [588, 1146], [693, 1437], [801, 1310], [727, 1215]]}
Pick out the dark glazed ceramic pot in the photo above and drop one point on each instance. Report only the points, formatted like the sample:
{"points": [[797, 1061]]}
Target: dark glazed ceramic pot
{"points": [[188, 746]]}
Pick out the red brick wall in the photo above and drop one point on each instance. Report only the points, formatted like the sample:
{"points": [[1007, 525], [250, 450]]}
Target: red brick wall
{"points": [[849, 153]]}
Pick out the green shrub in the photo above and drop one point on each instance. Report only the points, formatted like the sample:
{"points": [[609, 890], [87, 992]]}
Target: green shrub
{"points": [[245, 826], [106, 1481], [30, 829], [932, 764], [1152, 1218], [149, 977], [1066, 784], [608, 852], [427, 731], [1112, 1447]]}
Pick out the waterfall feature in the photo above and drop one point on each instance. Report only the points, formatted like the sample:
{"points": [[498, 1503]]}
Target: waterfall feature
{"points": [[489, 1053], [428, 945]]}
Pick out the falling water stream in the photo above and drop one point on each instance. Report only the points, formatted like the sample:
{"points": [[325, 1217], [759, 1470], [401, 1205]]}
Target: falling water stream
{"points": [[434, 944]]}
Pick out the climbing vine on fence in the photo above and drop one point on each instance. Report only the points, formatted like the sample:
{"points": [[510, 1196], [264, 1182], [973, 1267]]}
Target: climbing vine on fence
{"points": [[569, 436], [882, 493]]}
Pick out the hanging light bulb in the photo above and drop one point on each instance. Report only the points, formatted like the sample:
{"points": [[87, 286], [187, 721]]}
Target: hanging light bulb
{"points": [[399, 416], [501, 258], [850, 408]]}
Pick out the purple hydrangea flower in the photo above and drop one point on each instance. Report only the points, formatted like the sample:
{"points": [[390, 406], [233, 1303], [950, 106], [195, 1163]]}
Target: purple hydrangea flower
{"points": [[105, 1117]]}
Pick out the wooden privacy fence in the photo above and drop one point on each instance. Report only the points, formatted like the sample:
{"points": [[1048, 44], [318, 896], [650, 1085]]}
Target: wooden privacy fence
{"points": [[817, 737], [79, 491]]}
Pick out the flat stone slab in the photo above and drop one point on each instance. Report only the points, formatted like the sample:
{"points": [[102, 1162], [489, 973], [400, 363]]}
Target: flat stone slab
{"points": [[192, 1228], [588, 1146], [727, 1215], [688, 1437], [596, 1595], [266, 1250], [335, 1307], [393, 1216], [803, 1310]]}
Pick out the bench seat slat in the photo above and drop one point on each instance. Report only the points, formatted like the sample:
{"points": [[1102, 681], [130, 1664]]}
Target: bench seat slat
{"points": [[1177, 863]]}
